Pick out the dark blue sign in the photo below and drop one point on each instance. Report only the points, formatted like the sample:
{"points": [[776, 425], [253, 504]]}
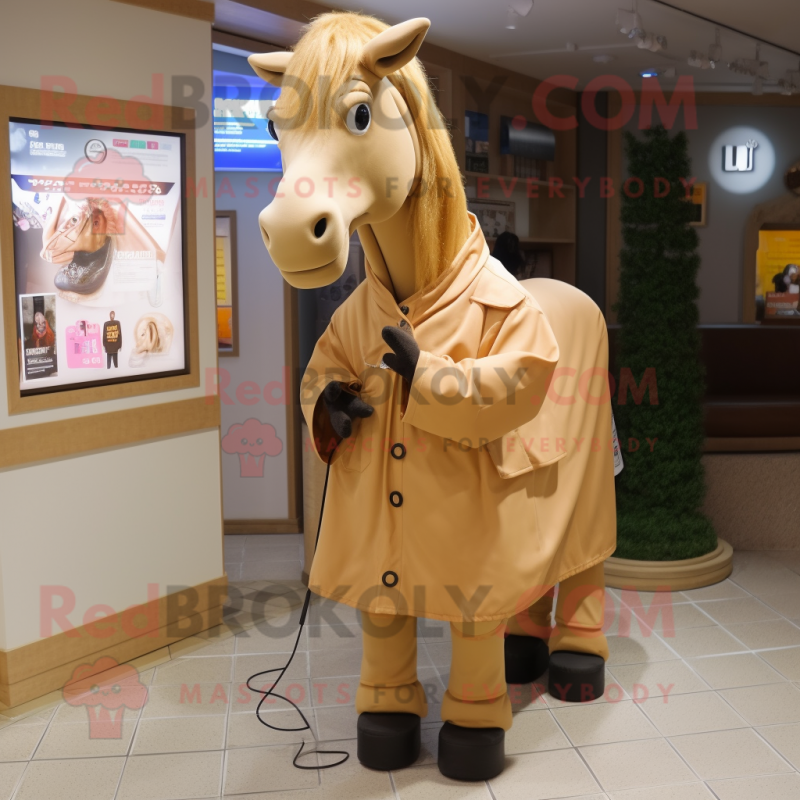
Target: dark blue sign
{"points": [[241, 139]]}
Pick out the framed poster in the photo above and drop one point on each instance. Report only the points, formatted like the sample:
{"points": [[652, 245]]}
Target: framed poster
{"points": [[778, 275], [227, 284], [494, 216], [98, 253], [699, 200]]}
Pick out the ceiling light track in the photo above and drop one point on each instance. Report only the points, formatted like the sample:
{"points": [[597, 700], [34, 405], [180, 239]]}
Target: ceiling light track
{"points": [[726, 27]]}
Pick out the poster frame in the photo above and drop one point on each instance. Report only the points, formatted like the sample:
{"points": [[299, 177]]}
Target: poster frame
{"points": [[30, 104], [233, 351]]}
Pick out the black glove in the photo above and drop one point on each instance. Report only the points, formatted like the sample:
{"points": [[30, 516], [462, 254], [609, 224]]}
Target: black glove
{"points": [[343, 408], [406, 352]]}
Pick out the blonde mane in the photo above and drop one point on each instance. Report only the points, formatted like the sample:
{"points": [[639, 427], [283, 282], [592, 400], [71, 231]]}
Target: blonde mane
{"points": [[325, 58]]}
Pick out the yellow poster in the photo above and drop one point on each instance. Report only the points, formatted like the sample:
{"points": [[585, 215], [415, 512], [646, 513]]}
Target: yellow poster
{"points": [[778, 275]]}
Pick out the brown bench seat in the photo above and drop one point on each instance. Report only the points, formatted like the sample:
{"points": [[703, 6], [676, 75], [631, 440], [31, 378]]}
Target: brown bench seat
{"points": [[752, 383]]}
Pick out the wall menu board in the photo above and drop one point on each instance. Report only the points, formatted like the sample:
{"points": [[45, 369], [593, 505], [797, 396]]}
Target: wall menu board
{"points": [[99, 254]]}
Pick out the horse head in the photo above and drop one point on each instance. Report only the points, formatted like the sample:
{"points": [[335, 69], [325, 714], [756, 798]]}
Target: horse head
{"points": [[349, 144]]}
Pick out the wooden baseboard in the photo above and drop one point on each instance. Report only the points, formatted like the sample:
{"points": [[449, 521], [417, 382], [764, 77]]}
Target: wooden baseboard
{"points": [[46, 665], [262, 526]]}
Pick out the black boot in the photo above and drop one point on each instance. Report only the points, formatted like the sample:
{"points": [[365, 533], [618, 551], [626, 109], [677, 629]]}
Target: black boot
{"points": [[576, 677], [388, 741], [471, 754], [527, 658]]}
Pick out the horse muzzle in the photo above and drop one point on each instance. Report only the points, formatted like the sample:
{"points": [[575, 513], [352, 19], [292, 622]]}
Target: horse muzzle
{"points": [[307, 239]]}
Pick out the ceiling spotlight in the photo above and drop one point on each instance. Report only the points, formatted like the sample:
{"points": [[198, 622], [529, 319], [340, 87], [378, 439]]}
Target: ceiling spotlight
{"points": [[750, 66], [522, 7], [787, 85], [637, 32], [651, 42], [517, 9], [627, 20], [715, 50], [762, 67], [700, 61]]}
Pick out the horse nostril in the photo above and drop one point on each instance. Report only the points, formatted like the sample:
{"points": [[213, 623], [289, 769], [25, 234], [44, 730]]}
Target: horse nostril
{"points": [[319, 228]]}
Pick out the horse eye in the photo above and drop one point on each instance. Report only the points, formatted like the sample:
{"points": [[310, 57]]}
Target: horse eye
{"points": [[271, 128], [358, 119]]}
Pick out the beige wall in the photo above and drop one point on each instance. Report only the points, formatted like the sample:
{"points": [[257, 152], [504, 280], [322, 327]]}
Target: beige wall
{"points": [[151, 512], [261, 357], [753, 499]]}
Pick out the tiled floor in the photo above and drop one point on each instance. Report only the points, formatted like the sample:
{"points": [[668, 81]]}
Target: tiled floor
{"points": [[703, 701]]}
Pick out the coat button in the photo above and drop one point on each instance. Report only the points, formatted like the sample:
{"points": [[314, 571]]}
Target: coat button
{"points": [[398, 451], [404, 309], [390, 579], [396, 499]]}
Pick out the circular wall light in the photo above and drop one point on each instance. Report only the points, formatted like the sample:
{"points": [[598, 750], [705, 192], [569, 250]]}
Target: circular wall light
{"points": [[741, 159]]}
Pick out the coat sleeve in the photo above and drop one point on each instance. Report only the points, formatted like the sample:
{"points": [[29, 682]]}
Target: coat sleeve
{"points": [[329, 362], [477, 400]]}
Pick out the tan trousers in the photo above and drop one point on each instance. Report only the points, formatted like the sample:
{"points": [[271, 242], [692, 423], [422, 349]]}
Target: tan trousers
{"points": [[580, 610], [476, 695]]}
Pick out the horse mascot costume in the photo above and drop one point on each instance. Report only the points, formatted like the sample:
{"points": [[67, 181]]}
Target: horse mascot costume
{"points": [[466, 480]]}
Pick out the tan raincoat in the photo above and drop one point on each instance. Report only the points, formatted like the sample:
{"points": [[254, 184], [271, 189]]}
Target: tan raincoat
{"points": [[469, 495]]}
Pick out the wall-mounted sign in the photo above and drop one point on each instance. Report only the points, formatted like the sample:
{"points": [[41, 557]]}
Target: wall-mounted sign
{"points": [[733, 163], [227, 284], [778, 275], [242, 142], [739, 158], [699, 200], [98, 254]]}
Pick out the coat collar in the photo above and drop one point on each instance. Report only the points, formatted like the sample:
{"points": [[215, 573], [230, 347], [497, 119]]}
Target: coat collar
{"points": [[431, 298]]}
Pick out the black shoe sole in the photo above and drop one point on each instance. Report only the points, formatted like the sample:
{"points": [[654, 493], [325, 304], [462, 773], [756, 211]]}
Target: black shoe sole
{"points": [[527, 658], [576, 677], [471, 754], [388, 741]]}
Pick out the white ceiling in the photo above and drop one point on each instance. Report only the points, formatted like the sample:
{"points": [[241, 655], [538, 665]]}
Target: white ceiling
{"points": [[538, 47]]}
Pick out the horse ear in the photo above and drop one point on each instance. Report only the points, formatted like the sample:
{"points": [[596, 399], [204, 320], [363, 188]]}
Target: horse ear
{"points": [[270, 66], [152, 330], [395, 47]]}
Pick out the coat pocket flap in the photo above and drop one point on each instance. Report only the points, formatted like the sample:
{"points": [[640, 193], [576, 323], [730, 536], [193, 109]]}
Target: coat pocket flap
{"points": [[504, 296], [529, 447]]}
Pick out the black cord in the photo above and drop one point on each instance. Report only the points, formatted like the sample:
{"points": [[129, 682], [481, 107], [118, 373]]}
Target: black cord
{"points": [[271, 691]]}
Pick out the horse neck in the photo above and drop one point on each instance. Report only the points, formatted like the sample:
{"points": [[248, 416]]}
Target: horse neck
{"points": [[389, 248]]}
